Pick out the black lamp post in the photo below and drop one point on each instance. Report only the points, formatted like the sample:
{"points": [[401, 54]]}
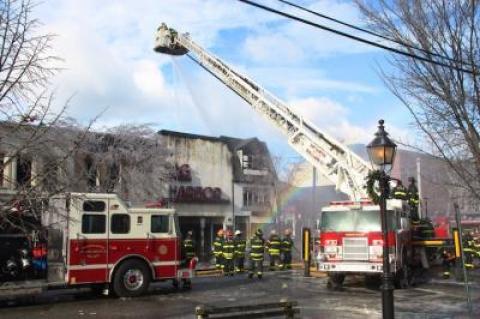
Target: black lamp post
{"points": [[381, 151]]}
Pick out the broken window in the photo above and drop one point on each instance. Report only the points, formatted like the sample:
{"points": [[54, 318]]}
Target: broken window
{"points": [[255, 196], [24, 171]]}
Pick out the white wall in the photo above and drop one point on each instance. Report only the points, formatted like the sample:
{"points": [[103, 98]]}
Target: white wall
{"points": [[211, 166]]}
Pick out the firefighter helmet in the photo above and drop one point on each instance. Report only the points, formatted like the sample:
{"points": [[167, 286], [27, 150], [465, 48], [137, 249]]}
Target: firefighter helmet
{"points": [[259, 232], [273, 232], [190, 233], [238, 232]]}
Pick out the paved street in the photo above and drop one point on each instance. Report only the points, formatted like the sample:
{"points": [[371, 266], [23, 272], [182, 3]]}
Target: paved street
{"points": [[433, 300]]}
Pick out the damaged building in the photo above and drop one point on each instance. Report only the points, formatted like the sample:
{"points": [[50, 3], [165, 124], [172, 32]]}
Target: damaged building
{"points": [[212, 182]]}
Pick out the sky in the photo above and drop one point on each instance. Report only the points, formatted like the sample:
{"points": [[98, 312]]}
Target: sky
{"points": [[110, 68]]}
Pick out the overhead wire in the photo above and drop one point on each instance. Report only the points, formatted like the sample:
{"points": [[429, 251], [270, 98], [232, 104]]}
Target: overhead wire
{"points": [[356, 38], [378, 35]]}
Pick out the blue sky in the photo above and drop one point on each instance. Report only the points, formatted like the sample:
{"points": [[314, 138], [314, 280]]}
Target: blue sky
{"points": [[110, 65]]}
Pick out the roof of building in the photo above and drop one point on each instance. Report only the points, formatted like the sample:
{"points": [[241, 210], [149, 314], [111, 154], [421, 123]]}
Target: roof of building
{"points": [[189, 135]]}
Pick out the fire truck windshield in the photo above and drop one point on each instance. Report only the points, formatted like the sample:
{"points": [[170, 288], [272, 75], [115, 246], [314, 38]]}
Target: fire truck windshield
{"points": [[353, 220]]}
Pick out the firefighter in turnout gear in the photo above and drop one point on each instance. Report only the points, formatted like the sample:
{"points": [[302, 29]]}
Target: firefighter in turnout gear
{"points": [[189, 246], [448, 260], [413, 199], [274, 245], [240, 246], [257, 246], [217, 249], [228, 254], [286, 249], [469, 250], [400, 192]]}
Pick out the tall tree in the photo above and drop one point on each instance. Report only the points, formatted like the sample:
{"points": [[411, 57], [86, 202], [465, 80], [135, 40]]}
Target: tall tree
{"points": [[443, 100], [33, 152]]}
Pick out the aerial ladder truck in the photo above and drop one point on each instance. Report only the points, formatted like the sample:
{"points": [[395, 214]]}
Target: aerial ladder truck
{"points": [[354, 245]]}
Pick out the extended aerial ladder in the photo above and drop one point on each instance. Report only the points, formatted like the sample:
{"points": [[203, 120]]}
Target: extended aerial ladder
{"points": [[334, 160]]}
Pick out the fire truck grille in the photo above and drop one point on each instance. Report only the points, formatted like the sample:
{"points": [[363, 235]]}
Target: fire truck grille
{"points": [[355, 248]]}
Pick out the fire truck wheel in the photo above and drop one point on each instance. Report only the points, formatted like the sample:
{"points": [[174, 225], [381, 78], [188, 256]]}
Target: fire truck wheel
{"points": [[131, 279], [335, 281]]}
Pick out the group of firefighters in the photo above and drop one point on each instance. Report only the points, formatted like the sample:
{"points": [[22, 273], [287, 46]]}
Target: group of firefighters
{"points": [[423, 229], [230, 251], [471, 252]]}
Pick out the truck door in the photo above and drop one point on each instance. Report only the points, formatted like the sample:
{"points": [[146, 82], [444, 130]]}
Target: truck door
{"points": [[163, 243], [88, 247]]}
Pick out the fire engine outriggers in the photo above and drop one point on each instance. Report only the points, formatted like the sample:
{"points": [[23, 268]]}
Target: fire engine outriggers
{"points": [[95, 239]]}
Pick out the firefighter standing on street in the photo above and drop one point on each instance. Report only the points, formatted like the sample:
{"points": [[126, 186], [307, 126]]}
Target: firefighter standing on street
{"points": [[240, 246], [274, 245], [448, 261], [469, 250], [228, 252], [286, 248], [217, 250], [189, 246], [257, 246]]}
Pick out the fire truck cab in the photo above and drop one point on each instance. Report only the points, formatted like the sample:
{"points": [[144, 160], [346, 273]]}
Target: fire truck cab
{"points": [[97, 240], [351, 241]]}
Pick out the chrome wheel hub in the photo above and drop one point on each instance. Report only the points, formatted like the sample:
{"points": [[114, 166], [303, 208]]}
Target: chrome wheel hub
{"points": [[133, 279]]}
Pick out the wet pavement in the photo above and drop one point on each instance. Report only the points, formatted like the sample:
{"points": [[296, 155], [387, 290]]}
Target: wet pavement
{"points": [[435, 299]]}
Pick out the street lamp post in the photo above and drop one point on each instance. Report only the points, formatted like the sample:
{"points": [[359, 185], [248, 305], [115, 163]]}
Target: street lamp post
{"points": [[381, 151]]}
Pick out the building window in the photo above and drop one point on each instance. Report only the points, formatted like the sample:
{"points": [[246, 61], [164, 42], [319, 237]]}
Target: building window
{"points": [[253, 196], [159, 224], [93, 224], [120, 224], [93, 206], [24, 171], [246, 161]]}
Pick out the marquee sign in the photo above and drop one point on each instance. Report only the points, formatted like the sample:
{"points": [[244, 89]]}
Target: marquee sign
{"points": [[197, 194]]}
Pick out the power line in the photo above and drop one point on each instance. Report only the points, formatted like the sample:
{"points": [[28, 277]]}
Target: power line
{"points": [[324, 16], [356, 38]]}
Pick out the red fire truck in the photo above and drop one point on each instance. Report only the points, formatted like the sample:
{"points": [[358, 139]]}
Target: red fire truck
{"points": [[351, 241], [96, 240]]}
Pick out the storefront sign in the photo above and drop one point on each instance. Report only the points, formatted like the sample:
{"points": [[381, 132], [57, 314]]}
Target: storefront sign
{"points": [[196, 194]]}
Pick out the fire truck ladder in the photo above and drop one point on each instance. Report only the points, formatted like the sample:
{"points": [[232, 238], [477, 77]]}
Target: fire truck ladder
{"points": [[334, 160]]}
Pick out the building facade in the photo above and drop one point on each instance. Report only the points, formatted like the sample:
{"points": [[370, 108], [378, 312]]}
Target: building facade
{"points": [[219, 183]]}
